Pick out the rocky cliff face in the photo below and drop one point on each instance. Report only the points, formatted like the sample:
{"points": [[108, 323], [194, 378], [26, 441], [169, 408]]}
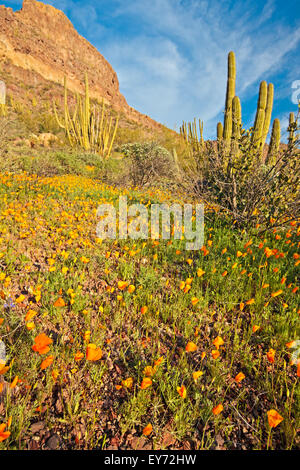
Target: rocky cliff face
{"points": [[39, 43]]}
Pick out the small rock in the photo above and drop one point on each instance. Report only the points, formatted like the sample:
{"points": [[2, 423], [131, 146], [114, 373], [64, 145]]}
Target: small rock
{"points": [[53, 442], [140, 443], [168, 439], [37, 427]]}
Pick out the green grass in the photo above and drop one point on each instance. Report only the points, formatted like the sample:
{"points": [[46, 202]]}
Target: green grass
{"points": [[49, 250]]}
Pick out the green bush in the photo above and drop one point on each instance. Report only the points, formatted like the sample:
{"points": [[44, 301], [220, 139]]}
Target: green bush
{"points": [[148, 163]]}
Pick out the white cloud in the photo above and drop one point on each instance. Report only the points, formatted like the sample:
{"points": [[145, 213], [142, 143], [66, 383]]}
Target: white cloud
{"points": [[176, 68]]}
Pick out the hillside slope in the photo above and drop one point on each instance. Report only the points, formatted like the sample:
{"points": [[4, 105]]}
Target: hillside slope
{"points": [[39, 45]]}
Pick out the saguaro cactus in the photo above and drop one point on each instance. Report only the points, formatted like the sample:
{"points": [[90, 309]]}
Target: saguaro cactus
{"points": [[230, 93], [291, 128], [268, 113], [260, 115], [236, 117], [275, 140]]}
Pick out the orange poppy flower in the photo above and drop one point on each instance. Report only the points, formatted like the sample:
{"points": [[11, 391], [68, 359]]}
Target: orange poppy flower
{"points": [[218, 341], [131, 289], [78, 356], [255, 328], [59, 302], [127, 383], [42, 343], [146, 382], [144, 310], [30, 325], [197, 374], [29, 315], [275, 294], [55, 374], [215, 353], [3, 368], [271, 355], [239, 377], [3, 434], [47, 362], [149, 371], [182, 391], [87, 336], [194, 300], [147, 430], [159, 361], [191, 347], [217, 409], [93, 353], [14, 382], [122, 285], [274, 418]]}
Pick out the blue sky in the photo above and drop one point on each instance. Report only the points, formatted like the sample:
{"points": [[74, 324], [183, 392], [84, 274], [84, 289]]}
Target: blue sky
{"points": [[171, 55]]}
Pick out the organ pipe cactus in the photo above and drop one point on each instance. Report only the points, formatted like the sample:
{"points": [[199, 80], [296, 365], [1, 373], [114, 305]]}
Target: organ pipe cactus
{"points": [[88, 127], [190, 134]]}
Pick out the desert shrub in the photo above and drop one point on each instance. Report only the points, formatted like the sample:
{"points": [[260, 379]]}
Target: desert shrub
{"points": [[240, 182], [148, 163], [9, 130], [4, 127]]}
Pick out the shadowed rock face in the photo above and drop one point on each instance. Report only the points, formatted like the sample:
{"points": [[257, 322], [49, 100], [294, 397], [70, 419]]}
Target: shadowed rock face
{"points": [[40, 43]]}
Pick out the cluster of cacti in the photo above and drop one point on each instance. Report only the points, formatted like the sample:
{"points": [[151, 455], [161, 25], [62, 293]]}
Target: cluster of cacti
{"points": [[89, 126], [190, 134]]}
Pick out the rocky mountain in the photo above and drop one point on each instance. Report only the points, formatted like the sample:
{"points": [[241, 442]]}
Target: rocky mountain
{"points": [[39, 46]]}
